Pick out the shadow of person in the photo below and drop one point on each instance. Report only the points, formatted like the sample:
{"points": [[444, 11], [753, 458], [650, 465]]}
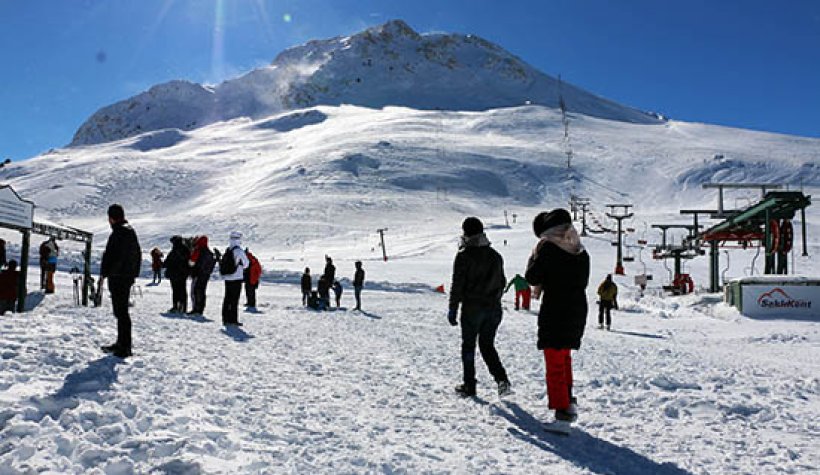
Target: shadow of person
{"points": [[642, 335], [236, 333], [582, 449], [184, 316], [89, 383], [370, 315], [33, 299]]}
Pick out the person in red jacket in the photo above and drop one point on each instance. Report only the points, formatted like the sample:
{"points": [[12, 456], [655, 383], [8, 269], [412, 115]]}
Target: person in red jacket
{"points": [[252, 275], [8, 287], [156, 265]]}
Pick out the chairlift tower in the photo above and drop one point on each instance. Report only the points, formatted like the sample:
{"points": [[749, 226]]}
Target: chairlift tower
{"points": [[619, 217]]}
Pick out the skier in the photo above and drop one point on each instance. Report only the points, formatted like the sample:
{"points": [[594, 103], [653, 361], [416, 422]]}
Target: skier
{"points": [[607, 300], [307, 286], [478, 283], [176, 270], [9, 279], [337, 291], [251, 278], [330, 270], [120, 265], [323, 288], [203, 266], [358, 283], [559, 268], [232, 268], [522, 291], [156, 265]]}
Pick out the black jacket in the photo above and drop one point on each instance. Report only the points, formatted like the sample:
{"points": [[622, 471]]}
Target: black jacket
{"points": [[122, 256], [478, 277], [307, 283], [330, 272], [204, 266], [563, 278], [358, 278], [176, 264]]}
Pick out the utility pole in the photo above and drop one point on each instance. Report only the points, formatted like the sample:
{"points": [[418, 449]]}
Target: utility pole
{"points": [[381, 232], [619, 217]]}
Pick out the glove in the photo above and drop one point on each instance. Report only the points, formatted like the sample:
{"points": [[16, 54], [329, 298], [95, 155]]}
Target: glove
{"points": [[452, 317]]}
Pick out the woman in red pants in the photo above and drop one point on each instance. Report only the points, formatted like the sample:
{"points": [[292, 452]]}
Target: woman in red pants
{"points": [[559, 270]]}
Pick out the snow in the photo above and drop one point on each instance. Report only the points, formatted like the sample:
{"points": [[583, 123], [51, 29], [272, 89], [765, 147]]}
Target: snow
{"points": [[681, 385]]}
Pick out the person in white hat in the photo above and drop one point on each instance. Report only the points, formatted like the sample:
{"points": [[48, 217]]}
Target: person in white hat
{"points": [[232, 267]]}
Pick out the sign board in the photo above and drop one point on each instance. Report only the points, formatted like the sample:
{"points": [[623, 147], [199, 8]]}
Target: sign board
{"points": [[784, 301], [15, 211]]}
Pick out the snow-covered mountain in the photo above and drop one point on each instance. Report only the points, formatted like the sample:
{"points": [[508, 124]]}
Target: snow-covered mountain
{"points": [[385, 65]]}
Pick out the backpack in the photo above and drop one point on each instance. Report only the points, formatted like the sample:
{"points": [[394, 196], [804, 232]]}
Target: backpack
{"points": [[227, 264]]}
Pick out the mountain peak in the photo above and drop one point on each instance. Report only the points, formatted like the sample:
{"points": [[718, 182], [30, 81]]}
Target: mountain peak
{"points": [[388, 64]]}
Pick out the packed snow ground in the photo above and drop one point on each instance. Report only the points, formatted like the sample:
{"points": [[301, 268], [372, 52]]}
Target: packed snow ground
{"points": [[682, 385]]}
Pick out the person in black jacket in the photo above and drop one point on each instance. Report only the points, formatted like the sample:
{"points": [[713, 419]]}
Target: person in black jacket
{"points": [[176, 270], [330, 270], [203, 266], [307, 286], [478, 283], [323, 288], [559, 268], [120, 264], [358, 283]]}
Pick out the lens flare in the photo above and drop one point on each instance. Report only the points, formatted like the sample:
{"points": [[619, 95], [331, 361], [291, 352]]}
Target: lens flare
{"points": [[287, 18], [218, 46]]}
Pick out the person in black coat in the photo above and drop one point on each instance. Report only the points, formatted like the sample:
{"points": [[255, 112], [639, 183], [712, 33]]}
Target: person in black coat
{"points": [[559, 268], [307, 286], [330, 270], [177, 271], [478, 283], [120, 264], [323, 288], [358, 283]]}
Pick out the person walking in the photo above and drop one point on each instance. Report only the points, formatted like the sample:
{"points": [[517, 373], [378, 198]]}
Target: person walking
{"points": [[203, 266], [477, 286], [252, 276], [156, 265], [607, 300], [559, 268], [337, 291], [176, 270], [358, 283], [307, 286], [120, 264], [522, 291], [9, 280], [232, 268]]}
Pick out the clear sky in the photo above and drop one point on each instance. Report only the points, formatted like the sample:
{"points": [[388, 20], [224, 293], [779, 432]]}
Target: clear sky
{"points": [[744, 63]]}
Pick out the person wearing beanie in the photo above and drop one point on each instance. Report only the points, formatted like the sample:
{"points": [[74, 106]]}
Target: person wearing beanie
{"points": [[477, 286], [233, 280], [120, 264], [202, 263], [559, 268], [177, 271]]}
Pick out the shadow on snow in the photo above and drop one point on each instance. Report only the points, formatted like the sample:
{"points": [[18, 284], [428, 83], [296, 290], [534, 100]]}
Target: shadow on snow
{"points": [[642, 335], [237, 333], [185, 316], [584, 450]]}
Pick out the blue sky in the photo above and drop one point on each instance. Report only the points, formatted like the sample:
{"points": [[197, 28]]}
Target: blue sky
{"points": [[744, 63]]}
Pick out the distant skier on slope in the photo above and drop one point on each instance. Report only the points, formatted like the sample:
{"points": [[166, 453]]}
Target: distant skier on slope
{"points": [[522, 291], [120, 264], [559, 268], [478, 283], [607, 300]]}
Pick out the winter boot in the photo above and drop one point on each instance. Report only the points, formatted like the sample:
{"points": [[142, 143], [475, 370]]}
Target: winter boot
{"points": [[504, 388], [572, 410], [465, 390]]}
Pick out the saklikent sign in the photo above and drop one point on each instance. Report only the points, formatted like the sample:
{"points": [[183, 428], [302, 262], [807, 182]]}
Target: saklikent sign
{"points": [[781, 301], [15, 212]]}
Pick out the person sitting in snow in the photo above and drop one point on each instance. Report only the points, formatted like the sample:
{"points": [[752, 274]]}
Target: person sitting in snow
{"points": [[559, 268], [607, 300]]}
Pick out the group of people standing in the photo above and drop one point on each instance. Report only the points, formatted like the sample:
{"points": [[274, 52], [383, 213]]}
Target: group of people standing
{"points": [[192, 258], [558, 269], [319, 299]]}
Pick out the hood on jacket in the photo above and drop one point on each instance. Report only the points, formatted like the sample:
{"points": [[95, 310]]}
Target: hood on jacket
{"points": [[476, 240], [201, 242]]}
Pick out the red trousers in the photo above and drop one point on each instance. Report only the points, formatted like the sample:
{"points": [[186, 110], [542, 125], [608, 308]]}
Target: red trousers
{"points": [[559, 377], [525, 296]]}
